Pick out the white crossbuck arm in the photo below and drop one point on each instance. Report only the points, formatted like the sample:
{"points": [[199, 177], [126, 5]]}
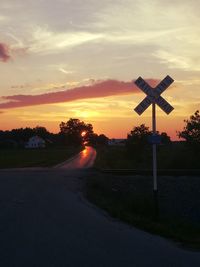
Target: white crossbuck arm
{"points": [[153, 95]]}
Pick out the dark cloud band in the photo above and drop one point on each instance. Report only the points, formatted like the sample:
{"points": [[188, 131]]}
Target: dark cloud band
{"points": [[4, 52], [96, 90]]}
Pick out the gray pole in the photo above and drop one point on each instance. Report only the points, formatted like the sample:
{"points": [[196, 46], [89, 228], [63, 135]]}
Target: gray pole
{"points": [[154, 148], [155, 186]]}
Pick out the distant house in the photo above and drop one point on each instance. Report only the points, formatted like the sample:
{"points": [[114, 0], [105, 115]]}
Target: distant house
{"points": [[116, 142], [35, 142]]}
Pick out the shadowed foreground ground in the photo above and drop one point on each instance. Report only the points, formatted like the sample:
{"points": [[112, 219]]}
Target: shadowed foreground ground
{"points": [[44, 221]]}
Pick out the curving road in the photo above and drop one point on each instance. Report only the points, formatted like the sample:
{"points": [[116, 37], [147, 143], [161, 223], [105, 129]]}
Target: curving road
{"points": [[85, 159], [45, 221]]}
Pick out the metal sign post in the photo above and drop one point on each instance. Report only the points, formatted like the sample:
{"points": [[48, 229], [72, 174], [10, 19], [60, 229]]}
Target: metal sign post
{"points": [[155, 186], [153, 97]]}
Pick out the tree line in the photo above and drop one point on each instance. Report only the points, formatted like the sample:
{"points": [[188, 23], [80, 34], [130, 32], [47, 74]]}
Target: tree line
{"points": [[138, 138], [75, 132], [72, 133]]}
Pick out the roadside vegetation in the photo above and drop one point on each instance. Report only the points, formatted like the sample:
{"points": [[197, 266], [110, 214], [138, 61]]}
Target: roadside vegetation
{"points": [[136, 152], [176, 155], [23, 148], [18, 158], [130, 197]]}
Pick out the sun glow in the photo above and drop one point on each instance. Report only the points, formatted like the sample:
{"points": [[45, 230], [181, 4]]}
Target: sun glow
{"points": [[83, 133]]}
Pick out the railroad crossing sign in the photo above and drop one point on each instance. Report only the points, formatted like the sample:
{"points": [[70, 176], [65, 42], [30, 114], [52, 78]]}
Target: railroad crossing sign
{"points": [[154, 139], [154, 95]]}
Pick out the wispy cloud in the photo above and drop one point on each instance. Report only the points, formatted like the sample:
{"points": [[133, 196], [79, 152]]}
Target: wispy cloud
{"points": [[99, 89], [4, 52], [46, 41], [65, 71], [3, 18]]}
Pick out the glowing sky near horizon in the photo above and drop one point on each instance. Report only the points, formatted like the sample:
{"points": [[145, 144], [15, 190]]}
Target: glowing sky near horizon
{"points": [[68, 58]]}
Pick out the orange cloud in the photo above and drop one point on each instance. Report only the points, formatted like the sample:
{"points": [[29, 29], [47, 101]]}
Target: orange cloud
{"points": [[4, 52], [99, 89]]}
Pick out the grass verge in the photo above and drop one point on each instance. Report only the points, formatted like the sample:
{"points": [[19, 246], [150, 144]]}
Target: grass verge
{"points": [[168, 157], [130, 199], [18, 158]]}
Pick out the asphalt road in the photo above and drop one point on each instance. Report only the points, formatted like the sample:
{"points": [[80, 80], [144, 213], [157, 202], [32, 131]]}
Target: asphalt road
{"points": [[45, 221], [83, 160]]}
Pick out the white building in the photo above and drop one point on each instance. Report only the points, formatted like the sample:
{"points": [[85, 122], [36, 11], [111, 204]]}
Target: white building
{"points": [[116, 142], [35, 142]]}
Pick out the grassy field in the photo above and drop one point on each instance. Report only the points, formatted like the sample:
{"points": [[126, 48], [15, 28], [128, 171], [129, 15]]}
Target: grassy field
{"points": [[17, 158], [168, 157], [130, 199]]}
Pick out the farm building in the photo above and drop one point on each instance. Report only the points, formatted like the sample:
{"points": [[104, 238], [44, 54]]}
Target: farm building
{"points": [[35, 142], [116, 142]]}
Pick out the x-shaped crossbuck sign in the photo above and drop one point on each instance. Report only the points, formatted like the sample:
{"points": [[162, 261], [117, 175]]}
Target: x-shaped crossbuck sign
{"points": [[154, 95]]}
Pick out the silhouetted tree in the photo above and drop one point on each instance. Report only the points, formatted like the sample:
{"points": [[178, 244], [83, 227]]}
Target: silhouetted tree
{"points": [[139, 135], [93, 139], [18, 137], [102, 139], [72, 131], [165, 139], [191, 131], [137, 140], [21, 134], [42, 132]]}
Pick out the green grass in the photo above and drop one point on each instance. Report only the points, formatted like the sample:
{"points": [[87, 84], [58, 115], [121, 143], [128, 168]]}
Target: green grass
{"points": [[114, 158], [168, 157], [17, 158], [130, 199]]}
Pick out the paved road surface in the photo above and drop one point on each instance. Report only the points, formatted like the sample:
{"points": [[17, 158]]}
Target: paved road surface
{"points": [[45, 221], [83, 160]]}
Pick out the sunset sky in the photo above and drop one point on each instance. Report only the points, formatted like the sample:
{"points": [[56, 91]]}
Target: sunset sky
{"points": [[78, 59]]}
